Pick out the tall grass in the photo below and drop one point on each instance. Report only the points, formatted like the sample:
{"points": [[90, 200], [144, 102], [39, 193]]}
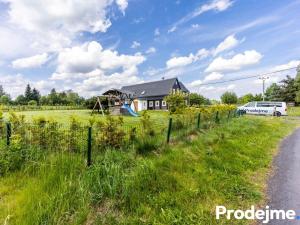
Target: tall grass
{"points": [[181, 184]]}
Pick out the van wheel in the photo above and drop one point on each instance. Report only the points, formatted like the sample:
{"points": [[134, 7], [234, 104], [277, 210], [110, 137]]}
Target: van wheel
{"points": [[278, 114]]}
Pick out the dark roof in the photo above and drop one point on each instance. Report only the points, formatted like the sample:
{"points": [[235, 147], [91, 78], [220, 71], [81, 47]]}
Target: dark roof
{"points": [[154, 88], [182, 87]]}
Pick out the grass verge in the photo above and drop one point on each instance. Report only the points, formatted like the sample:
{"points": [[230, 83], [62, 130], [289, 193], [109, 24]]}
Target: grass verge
{"points": [[180, 184]]}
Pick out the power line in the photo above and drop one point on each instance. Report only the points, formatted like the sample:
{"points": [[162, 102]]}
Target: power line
{"points": [[248, 77]]}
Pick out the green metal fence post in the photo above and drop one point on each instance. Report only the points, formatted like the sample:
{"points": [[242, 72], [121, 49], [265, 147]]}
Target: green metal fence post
{"points": [[8, 133], [217, 119], [169, 130], [198, 120], [89, 150]]}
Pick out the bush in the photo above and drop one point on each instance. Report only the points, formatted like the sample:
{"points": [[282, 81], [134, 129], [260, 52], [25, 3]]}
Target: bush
{"points": [[111, 135], [176, 101], [32, 103], [229, 98]]}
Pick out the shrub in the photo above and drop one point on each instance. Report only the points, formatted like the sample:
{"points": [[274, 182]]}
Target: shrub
{"points": [[229, 98], [176, 101], [32, 103], [111, 135], [147, 127]]}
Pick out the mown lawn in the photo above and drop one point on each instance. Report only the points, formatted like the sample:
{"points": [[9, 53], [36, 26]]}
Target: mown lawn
{"points": [[179, 184], [294, 111], [83, 116]]}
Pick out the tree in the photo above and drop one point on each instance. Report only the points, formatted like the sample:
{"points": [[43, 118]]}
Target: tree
{"points": [[5, 100], [32, 103], [297, 84], [229, 98], [53, 98], [1, 91], [288, 89], [176, 101], [35, 95], [197, 99], [273, 93], [21, 100], [28, 93], [246, 98]]}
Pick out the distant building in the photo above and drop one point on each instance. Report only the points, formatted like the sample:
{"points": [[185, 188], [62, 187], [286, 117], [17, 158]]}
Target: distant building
{"points": [[150, 95]]}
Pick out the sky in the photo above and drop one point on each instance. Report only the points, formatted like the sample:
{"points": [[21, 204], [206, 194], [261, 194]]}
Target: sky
{"points": [[90, 46]]}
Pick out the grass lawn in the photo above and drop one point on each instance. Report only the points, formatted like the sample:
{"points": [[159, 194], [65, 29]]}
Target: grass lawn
{"points": [[63, 116], [294, 111], [179, 184]]}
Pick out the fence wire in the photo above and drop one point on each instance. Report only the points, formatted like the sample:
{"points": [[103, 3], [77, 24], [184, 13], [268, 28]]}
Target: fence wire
{"points": [[52, 137]]}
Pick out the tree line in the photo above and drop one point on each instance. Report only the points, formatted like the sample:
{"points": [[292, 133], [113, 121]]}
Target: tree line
{"points": [[287, 90], [33, 97]]}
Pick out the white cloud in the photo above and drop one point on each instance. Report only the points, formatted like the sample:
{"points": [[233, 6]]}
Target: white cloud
{"points": [[135, 44], [213, 76], [195, 83], [72, 16], [180, 61], [156, 32], [172, 29], [186, 60], [291, 64], [30, 62], [235, 63], [91, 69], [123, 4], [90, 56], [195, 26], [151, 50], [229, 43], [51, 25], [216, 5], [231, 86]]}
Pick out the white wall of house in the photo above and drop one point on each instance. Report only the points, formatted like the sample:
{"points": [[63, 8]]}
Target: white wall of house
{"points": [[142, 105]]}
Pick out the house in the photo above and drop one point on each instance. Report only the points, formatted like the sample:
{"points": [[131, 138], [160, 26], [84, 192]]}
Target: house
{"points": [[150, 95]]}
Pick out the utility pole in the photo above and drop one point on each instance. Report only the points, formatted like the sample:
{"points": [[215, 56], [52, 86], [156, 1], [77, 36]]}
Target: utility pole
{"points": [[263, 78]]}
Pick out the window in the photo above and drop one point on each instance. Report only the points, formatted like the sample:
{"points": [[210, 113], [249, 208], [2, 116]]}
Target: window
{"points": [[151, 104], [156, 103], [269, 104], [250, 104], [164, 103]]}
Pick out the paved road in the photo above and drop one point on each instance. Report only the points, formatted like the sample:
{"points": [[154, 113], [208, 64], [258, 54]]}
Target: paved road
{"points": [[284, 186]]}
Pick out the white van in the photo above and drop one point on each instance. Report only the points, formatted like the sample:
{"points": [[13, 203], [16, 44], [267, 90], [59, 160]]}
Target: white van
{"points": [[265, 108]]}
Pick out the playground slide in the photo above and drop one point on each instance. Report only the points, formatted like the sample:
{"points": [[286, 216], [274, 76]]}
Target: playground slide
{"points": [[129, 111]]}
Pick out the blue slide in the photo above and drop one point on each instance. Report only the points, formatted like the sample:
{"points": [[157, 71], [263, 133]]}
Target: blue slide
{"points": [[128, 111]]}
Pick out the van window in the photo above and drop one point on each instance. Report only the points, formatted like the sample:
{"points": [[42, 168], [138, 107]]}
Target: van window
{"points": [[250, 104], [264, 104], [269, 104]]}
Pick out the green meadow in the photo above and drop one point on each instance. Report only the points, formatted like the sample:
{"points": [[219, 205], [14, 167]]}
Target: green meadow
{"points": [[180, 183]]}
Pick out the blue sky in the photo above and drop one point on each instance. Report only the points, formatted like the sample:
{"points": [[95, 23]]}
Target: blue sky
{"points": [[92, 45]]}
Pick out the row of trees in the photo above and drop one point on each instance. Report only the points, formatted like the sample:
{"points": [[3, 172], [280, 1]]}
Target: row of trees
{"points": [[287, 90], [32, 96]]}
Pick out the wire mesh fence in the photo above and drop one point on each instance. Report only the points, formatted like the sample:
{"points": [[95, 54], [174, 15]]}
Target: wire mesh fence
{"points": [[112, 133]]}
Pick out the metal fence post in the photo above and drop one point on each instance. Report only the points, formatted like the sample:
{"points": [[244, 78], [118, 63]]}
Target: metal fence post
{"points": [[89, 150], [198, 120], [217, 119], [169, 130], [8, 133]]}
